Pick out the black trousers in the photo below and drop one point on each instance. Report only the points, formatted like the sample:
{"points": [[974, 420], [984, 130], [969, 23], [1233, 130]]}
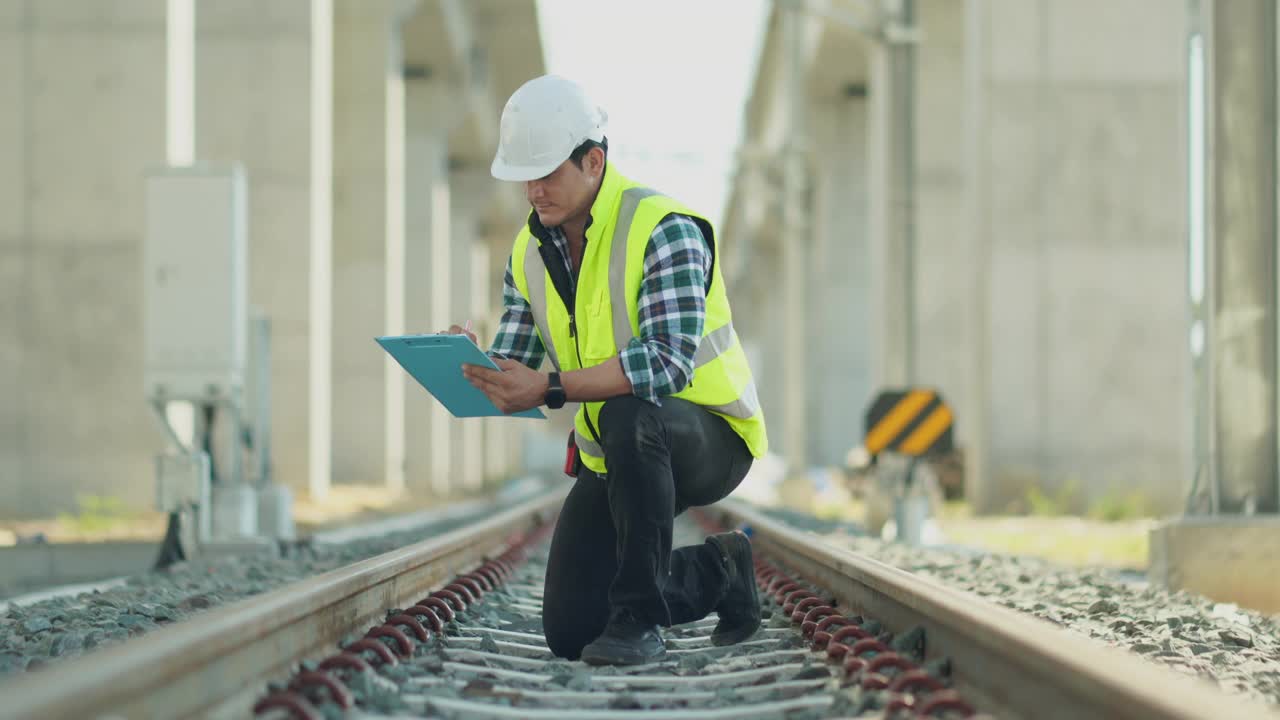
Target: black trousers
{"points": [[612, 544]]}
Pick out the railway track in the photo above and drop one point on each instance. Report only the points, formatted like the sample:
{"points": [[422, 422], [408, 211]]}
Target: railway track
{"points": [[448, 628]]}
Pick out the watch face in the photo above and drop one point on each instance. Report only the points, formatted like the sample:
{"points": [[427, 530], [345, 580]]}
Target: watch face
{"points": [[555, 393]]}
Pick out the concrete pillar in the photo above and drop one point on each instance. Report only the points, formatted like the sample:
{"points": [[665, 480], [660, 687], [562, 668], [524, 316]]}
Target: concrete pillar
{"points": [[507, 441], [83, 119], [252, 109], [975, 425], [795, 217], [838, 336], [487, 308], [1241, 120], [497, 231], [472, 189], [430, 116], [368, 240], [489, 436], [891, 138]]}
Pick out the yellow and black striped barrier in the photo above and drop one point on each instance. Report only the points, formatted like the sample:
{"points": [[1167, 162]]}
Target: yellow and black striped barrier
{"points": [[913, 422]]}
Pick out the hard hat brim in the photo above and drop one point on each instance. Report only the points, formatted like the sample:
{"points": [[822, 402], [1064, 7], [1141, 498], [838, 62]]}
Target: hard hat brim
{"points": [[521, 173]]}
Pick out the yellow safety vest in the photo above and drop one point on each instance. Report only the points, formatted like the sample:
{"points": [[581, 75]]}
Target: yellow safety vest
{"points": [[606, 312]]}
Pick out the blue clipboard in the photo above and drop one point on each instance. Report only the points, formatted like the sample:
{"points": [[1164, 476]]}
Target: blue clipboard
{"points": [[436, 361]]}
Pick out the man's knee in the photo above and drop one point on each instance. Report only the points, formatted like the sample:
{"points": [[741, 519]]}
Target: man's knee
{"points": [[629, 422]]}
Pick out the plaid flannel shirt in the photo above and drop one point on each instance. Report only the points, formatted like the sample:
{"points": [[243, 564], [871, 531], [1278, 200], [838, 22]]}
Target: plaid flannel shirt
{"points": [[672, 310]]}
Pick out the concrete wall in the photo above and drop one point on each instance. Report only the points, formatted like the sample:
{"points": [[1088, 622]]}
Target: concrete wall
{"points": [[253, 107], [1088, 369], [84, 117]]}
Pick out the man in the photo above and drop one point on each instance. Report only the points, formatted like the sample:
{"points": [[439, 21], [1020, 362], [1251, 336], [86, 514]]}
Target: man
{"points": [[620, 288]]}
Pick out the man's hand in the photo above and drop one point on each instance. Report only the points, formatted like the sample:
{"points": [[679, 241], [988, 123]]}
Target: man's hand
{"points": [[459, 330], [516, 389]]}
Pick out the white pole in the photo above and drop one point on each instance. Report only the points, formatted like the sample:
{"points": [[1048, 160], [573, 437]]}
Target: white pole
{"points": [[393, 376], [180, 82], [320, 290]]}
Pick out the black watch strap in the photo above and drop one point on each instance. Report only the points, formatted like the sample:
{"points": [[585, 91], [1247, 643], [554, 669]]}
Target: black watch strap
{"points": [[555, 397]]}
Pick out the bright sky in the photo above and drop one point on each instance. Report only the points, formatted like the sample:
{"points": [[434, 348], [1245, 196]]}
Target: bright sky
{"points": [[673, 75]]}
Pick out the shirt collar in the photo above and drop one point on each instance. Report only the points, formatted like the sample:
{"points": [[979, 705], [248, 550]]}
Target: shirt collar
{"points": [[605, 204]]}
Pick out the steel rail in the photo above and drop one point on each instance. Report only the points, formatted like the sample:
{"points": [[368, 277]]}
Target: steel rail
{"points": [[215, 665], [1004, 662]]}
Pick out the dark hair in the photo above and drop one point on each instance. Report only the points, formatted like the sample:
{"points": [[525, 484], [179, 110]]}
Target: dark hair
{"points": [[582, 150]]}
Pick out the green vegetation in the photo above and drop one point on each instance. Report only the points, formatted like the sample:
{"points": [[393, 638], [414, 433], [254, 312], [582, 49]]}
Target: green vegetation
{"points": [[96, 514], [1118, 506], [1062, 501], [1069, 541], [1113, 533]]}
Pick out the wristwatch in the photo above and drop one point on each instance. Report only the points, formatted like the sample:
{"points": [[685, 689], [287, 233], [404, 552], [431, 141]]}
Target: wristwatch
{"points": [[555, 392]]}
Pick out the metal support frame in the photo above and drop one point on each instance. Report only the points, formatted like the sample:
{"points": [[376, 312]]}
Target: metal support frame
{"points": [[1232, 256], [258, 395], [1203, 496]]}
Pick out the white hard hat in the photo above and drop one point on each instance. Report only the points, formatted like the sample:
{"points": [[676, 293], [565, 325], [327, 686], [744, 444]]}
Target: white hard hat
{"points": [[542, 124]]}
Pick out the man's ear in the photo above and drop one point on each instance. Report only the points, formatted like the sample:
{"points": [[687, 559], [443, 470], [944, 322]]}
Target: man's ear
{"points": [[595, 161]]}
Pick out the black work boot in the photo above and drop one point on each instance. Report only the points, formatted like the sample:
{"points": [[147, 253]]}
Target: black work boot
{"points": [[739, 609], [626, 641]]}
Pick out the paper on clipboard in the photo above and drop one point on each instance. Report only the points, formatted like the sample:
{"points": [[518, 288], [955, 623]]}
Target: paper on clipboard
{"points": [[436, 361]]}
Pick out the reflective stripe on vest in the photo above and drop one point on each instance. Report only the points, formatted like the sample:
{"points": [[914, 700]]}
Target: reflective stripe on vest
{"points": [[631, 198], [586, 444], [535, 274], [744, 407]]}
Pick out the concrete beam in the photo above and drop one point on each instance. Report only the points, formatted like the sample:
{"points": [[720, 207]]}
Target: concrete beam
{"points": [[474, 80]]}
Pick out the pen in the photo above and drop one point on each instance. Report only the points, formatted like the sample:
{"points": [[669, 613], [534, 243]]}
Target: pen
{"points": [[467, 327]]}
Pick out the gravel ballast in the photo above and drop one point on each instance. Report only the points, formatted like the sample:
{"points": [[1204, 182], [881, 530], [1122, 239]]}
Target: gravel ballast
{"points": [[494, 656], [40, 633], [1235, 648]]}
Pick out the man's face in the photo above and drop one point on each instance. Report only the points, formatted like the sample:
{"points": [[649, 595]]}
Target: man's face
{"points": [[568, 191]]}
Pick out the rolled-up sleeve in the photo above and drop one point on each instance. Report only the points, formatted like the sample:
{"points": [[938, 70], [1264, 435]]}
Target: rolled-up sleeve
{"points": [[672, 310]]}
